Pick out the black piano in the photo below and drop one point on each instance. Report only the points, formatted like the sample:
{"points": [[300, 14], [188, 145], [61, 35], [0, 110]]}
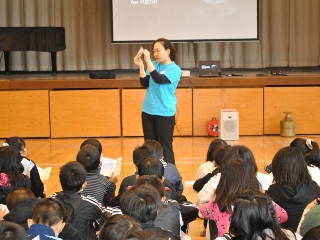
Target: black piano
{"points": [[42, 39]]}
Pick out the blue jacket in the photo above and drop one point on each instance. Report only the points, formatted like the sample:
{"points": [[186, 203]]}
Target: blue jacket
{"points": [[41, 231]]}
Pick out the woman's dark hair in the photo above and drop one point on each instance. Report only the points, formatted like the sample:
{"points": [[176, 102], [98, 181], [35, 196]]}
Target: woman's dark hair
{"points": [[237, 176], [167, 45], [309, 149], [253, 213], [213, 147], [289, 167], [118, 227], [10, 163]]}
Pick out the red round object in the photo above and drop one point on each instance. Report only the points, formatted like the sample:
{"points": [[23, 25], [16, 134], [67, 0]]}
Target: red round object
{"points": [[213, 127]]}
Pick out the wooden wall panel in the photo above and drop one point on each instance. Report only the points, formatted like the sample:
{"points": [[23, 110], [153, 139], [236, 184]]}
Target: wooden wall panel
{"points": [[207, 104], [85, 113], [89, 113], [304, 102], [131, 112], [24, 113], [184, 112]]}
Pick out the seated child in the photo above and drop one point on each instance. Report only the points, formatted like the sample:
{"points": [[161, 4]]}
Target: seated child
{"points": [[93, 142], [81, 211], [209, 165], [172, 216], [168, 217], [139, 154], [20, 201], [37, 186], [253, 217], [170, 170], [98, 186], [11, 176], [47, 219], [147, 166], [142, 204], [119, 227], [12, 231], [218, 157]]}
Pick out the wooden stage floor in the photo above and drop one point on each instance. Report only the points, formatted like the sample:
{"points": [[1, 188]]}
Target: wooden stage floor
{"points": [[190, 152]]}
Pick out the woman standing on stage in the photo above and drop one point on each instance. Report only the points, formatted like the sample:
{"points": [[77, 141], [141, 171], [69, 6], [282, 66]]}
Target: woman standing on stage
{"points": [[161, 79]]}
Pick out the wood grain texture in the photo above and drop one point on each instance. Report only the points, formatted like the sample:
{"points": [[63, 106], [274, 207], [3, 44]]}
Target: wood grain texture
{"points": [[207, 104], [303, 102], [132, 100], [184, 113], [81, 113], [131, 111], [85, 113], [24, 113]]}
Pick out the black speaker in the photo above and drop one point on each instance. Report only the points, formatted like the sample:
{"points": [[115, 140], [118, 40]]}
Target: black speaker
{"points": [[102, 75]]}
